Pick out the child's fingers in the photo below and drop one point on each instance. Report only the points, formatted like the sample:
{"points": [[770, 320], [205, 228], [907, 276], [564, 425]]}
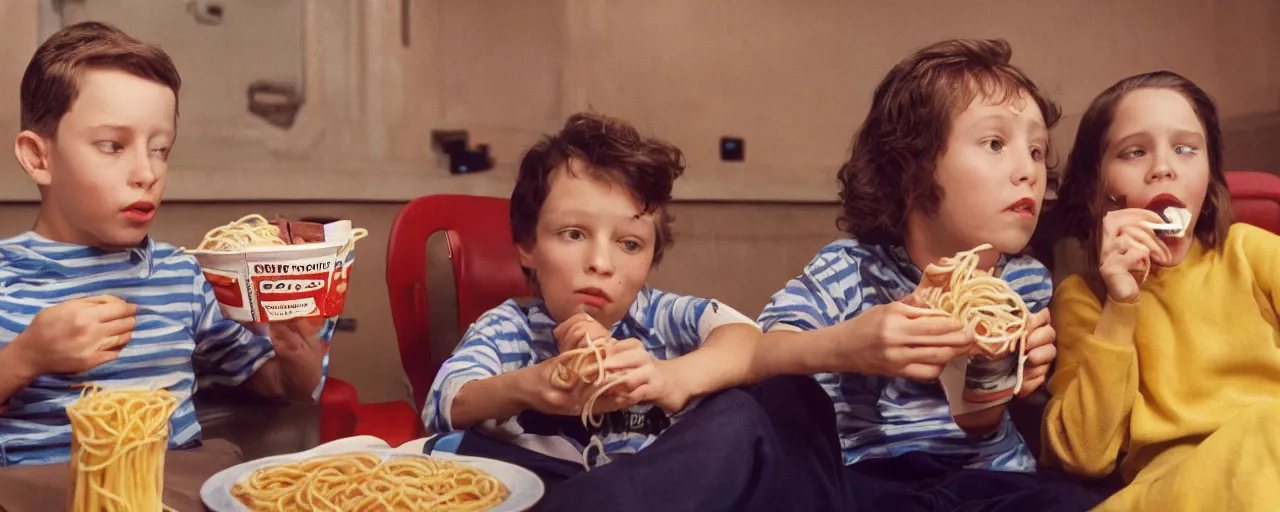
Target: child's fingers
{"points": [[111, 308], [104, 357], [914, 301], [1112, 222], [631, 380], [285, 337], [1147, 238], [308, 327], [911, 311], [644, 393], [1038, 319], [1034, 371], [568, 325], [955, 339], [628, 360], [623, 346], [613, 403], [935, 355], [934, 326], [118, 326], [1044, 335], [116, 342]]}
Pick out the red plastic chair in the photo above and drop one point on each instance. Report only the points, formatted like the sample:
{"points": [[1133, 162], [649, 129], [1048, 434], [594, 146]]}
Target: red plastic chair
{"points": [[1255, 197], [342, 415], [339, 403], [486, 271]]}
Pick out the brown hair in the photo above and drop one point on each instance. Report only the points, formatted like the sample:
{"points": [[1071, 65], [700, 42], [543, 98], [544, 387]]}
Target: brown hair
{"points": [[608, 149], [890, 169], [52, 79], [1081, 196]]}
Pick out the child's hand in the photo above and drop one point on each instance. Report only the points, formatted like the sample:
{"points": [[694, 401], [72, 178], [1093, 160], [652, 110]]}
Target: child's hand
{"points": [[1127, 251], [75, 336], [551, 399], [572, 333], [643, 377], [901, 340], [1040, 353], [298, 338]]}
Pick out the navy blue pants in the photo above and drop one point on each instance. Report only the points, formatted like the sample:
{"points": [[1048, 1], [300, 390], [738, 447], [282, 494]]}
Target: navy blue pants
{"points": [[920, 481], [769, 447]]}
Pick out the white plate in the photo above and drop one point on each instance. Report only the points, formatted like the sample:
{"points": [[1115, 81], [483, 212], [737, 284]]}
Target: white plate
{"points": [[526, 488]]}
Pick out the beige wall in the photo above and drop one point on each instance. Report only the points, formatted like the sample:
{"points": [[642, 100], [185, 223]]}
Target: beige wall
{"points": [[793, 79]]}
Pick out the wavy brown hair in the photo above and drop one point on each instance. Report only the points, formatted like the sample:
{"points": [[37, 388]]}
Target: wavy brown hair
{"points": [[1082, 195], [607, 149], [890, 168], [51, 82]]}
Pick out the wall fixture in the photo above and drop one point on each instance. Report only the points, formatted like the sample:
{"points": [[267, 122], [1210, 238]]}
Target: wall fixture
{"points": [[277, 103], [732, 149], [461, 159], [205, 12]]}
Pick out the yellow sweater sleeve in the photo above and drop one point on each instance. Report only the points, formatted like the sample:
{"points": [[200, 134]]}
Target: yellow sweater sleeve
{"points": [[1261, 248], [1094, 384]]}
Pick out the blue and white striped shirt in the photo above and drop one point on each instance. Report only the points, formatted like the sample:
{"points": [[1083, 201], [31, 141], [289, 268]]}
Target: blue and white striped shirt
{"points": [[510, 337], [181, 339], [882, 417]]}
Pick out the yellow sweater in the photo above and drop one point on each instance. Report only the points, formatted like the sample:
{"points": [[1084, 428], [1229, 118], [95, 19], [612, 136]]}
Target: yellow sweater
{"points": [[1156, 379]]}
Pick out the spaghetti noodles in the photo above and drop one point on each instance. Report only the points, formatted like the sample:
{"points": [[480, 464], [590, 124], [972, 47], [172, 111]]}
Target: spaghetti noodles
{"points": [[118, 444], [585, 366], [250, 231], [366, 482], [986, 305]]}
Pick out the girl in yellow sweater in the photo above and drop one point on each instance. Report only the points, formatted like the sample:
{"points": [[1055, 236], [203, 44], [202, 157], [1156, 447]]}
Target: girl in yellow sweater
{"points": [[1169, 360]]}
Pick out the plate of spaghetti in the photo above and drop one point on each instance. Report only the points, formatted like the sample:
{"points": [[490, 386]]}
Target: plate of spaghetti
{"points": [[352, 478]]}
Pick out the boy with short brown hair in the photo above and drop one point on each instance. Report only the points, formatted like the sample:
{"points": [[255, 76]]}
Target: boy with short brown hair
{"points": [[589, 218], [87, 297]]}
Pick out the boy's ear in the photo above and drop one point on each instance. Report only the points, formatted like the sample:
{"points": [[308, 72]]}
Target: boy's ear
{"points": [[32, 151], [526, 255]]}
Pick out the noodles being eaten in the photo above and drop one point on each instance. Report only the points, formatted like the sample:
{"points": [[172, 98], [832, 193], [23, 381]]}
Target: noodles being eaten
{"points": [[585, 366], [118, 444], [366, 482], [250, 231], [987, 306], [256, 231]]}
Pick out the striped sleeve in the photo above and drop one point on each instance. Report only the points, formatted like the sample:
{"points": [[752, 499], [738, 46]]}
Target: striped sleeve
{"points": [[676, 319], [494, 344], [818, 297], [226, 352], [1030, 279]]}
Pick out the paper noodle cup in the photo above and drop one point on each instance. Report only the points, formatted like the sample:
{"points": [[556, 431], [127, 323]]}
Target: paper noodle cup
{"points": [[975, 383], [282, 282]]}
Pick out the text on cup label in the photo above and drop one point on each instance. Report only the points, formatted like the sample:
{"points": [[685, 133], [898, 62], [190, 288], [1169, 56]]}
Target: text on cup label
{"points": [[291, 268], [290, 285]]}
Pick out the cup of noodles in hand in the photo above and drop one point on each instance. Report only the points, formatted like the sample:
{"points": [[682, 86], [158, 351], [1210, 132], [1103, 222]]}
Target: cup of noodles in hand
{"points": [[270, 271]]}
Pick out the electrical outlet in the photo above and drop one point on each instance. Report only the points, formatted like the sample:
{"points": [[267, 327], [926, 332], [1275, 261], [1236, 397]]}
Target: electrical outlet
{"points": [[732, 149]]}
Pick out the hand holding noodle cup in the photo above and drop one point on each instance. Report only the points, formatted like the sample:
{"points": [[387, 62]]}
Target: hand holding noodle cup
{"points": [[997, 318], [271, 271]]}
